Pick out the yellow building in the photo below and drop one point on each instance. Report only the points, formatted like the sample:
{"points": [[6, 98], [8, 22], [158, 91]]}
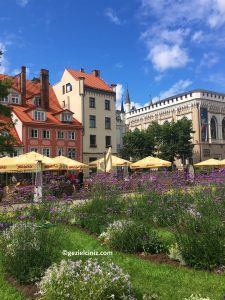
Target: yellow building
{"points": [[206, 109], [93, 103]]}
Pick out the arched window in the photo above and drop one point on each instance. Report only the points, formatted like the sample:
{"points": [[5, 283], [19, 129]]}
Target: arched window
{"points": [[223, 128], [213, 125]]}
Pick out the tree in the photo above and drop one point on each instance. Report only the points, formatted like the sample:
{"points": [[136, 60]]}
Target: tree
{"points": [[6, 139], [170, 141], [184, 138], [137, 144]]}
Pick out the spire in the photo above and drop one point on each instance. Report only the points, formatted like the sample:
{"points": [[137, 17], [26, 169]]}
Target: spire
{"points": [[127, 97], [122, 108]]}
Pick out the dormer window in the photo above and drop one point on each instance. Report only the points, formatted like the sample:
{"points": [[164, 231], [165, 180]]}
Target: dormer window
{"points": [[4, 100], [39, 115], [15, 98], [37, 101], [66, 117], [4, 133]]}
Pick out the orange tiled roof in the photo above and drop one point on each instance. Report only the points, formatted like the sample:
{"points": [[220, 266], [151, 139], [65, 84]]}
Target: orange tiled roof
{"points": [[24, 116], [32, 89], [11, 128], [91, 80]]}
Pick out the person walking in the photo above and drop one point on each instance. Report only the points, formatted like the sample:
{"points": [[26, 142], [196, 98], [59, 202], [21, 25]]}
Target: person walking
{"points": [[80, 178]]}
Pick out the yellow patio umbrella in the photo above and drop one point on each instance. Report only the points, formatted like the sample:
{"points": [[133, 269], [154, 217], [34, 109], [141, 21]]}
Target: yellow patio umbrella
{"points": [[116, 162], [150, 162], [26, 162], [65, 163], [210, 163]]}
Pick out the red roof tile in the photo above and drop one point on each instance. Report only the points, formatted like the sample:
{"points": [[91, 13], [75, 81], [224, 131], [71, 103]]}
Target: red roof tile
{"points": [[11, 129], [91, 80], [32, 89]]}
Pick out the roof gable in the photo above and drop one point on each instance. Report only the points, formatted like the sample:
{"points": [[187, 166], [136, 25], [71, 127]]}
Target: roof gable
{"points": [[91, 80]]}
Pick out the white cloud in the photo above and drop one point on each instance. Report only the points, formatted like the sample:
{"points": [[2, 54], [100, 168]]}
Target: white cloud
{"points": [[118, 65], [197, 36], [217, 79], [170, 26], [208, 60], [3, 61], [179, 87], [119, 95], [22, 3], [110, 13], [217, 18], [166, 57]]}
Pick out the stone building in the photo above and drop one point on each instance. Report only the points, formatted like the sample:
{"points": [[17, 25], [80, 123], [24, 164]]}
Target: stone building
{"points": [[206, 110]]}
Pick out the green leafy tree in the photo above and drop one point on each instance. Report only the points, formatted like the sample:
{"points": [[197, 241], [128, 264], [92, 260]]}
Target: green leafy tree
{"points": [[137, 144], [170, 141], [6, 139]]}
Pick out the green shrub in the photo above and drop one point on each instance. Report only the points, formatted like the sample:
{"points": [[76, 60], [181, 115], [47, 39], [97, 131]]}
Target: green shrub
{"points": [[27, 250], [201, 234], [128, 236], [97, 213], [89, 280], [175, 253]]}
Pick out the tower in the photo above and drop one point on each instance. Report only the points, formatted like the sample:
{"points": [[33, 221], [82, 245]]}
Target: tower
{"points": [[127, 101]]}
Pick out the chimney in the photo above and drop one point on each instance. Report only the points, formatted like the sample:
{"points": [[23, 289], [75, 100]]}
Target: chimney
{"points": [[113, 85], [44, 81], [22, 85], [96, 73], [82, 70]]}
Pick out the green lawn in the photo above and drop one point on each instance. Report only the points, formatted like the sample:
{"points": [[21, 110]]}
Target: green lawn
{"points": [[7, 292], [170, 282]]}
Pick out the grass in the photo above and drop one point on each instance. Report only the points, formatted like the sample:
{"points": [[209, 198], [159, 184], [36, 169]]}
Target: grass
{"points": [[146, 276], [172, 283], [7, 292]]}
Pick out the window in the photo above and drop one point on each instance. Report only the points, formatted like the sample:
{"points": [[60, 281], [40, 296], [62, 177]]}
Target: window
{"points": [[71, 135], [37, 101], [46, 134], [213, 125], [63, 89], [223, 128], [107, 104], [39, 115], [92, 102], [5, 99], [206, 152], [108, 141], [72, 153], [15, 98], [34, 133], [46, 152], [4, 133], [66, 117], [60, 135], [68, 87], [93, 140], [92, 121], [59, 151], [190, 94], [33, 149], [107, 123]]}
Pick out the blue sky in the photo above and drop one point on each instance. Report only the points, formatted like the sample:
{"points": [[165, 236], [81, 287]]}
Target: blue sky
{"points": [[156, 47]]}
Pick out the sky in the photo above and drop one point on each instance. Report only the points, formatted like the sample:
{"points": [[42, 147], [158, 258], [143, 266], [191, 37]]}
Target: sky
{"points": [[156, 48]]}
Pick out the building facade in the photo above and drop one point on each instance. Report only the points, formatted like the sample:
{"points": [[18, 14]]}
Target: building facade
{"points": [[206, 110], [41, 124], [94, 104]]}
